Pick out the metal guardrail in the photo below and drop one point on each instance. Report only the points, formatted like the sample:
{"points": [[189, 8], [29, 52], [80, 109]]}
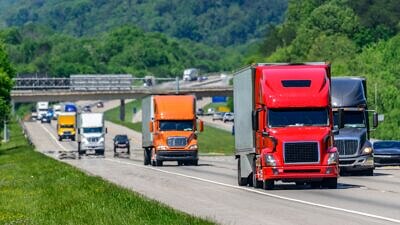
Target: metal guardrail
{"points": [[31, 83]]}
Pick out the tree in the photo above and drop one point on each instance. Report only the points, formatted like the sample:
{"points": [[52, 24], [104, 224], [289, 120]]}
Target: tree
{"points": [[6, 74]]}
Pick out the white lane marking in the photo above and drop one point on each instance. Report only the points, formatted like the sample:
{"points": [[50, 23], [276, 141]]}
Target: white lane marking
{"points": [[54, 138], [263, 193]]}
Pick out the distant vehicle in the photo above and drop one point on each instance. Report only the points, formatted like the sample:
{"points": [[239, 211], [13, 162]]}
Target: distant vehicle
{"points": [[228, 117], [70, 107], [190, 74], [66, 126], [202, 78], [46, 118], [91, 133], [33, 114], [41, 109], [200, 112], [386, 153], [210, 111], [57, 110], [100, 104], [87, 108], [218, 116], [149, 81], [121, 141]]}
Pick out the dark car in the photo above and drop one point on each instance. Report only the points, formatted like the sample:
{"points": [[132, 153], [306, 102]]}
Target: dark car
{"points": [[87, 108], [200, 112], [121, 141], [386, 153], [100, 105]]}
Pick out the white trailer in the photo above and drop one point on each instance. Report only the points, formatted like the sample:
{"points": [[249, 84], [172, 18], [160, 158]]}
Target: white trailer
{"points": [[190, 74], [91, 133], [41, 109]]}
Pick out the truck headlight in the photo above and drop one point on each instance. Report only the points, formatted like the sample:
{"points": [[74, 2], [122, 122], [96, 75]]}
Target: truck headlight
{"points": [[101, 140], [193, 147], [367, 151], [161, 147], [85, 141], [333, 158], [270, 160]]}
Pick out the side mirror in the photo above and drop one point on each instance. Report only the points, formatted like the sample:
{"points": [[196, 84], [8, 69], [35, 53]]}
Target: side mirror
{"points": [[151, 124], [335, 132], [254, 120], [201, 125], [375, 119], [341, 118]]}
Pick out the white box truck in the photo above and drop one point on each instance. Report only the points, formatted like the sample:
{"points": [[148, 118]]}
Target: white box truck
{"points": [[91, 133], [190, 74], [41, 109]]}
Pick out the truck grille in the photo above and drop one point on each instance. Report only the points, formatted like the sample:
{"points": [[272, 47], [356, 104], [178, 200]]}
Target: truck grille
{"points": [[177, 141], [346, 147], [67, 132], [93, 139], [301, 152]]}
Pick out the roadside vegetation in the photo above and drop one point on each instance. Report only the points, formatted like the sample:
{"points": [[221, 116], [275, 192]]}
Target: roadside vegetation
{"points": [[35, 189], [211, 140], [350, 36]]}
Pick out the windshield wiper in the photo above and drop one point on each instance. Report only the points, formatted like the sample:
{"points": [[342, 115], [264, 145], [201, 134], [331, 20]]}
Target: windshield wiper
{"points": [[296, 125]]}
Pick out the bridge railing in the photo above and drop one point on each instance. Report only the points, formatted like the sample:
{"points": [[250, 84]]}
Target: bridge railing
{"points": [[30, 83]]}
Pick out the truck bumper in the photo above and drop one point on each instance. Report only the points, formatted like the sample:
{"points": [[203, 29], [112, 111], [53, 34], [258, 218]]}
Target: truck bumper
{"points": [[67, 136], [177, 155], [359, 163], [299, 173], [92, 147]]}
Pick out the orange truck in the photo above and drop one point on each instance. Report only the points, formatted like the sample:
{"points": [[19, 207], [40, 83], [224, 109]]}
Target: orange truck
{"points": [[169, 129]]}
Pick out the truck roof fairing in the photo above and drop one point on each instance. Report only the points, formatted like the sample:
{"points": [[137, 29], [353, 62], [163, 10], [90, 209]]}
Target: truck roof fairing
{"points": [[348, 92], [295, 86], [174, 107]]}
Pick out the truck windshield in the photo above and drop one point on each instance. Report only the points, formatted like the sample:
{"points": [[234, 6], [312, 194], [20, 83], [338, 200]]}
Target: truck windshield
{"points": [[93, 130], [185, 125], [298, 117], [351, 119], [67, 126]]}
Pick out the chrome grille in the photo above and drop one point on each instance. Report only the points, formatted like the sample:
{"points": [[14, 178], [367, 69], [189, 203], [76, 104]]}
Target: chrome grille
{"points": [[93, 139], [301, 152], [177, 141], [346, 147]]}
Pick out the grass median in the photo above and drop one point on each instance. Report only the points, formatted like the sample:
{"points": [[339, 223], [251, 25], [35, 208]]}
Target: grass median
{"points": [[35, 189], [211, 140]]}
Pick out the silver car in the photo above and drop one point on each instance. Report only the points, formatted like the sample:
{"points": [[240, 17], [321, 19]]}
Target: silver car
{"points": [[218, 116], [228, 117]]}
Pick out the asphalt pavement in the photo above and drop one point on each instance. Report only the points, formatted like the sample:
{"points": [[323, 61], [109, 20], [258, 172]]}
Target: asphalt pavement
{"points": [[210, 190]]}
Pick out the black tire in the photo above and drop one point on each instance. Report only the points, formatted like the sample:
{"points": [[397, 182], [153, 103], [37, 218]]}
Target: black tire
{"points": [[99, 152], [195, 162], [256, 183], [79, 151], [129, 151], [241, 181], [115, 149], [330, 183], [59, 138], [159, 163], [369, 172], [180, 163], [268, 184], [146, 156]]}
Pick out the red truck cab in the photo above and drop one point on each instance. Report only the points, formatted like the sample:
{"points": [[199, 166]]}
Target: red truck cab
{"points": [[283, 125]]}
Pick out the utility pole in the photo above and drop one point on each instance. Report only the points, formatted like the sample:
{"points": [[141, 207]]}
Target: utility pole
{"points": [[5, 132], [376, 97]]}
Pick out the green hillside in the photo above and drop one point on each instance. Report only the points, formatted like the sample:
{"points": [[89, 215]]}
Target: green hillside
{"points": [[128, 49], [359, 38], [220, 22]]}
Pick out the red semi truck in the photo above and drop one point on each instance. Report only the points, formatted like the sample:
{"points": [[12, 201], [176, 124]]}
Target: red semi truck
{"points": [[284, 125]]}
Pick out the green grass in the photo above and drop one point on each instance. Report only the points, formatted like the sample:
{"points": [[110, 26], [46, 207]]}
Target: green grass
{"points": [[211, 141], [35, 189], [216, 141], [112, 115]]}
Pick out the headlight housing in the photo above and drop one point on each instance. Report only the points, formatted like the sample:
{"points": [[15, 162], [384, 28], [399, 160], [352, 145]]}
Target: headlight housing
{"points": [[333, 158], [193, 147], [270, 160], [161, 147], [367, 150]]}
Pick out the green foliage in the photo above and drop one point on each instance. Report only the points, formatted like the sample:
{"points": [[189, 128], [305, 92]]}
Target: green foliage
{"points": [[36, 189], [219, 22], [346, 34], [35, 49], [6, 74]]}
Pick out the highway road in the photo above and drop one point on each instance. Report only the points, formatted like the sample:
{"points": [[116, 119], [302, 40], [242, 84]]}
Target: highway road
{"points": [[210, 190]]}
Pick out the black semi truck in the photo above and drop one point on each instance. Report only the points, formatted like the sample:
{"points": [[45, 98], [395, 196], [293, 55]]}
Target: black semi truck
{"points": [[351, 122]]}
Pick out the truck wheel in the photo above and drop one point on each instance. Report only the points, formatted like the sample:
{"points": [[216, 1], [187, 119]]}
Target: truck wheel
{"points": [[268, 184], [369, 172], [99, 152], [315, 184], [129, 151], [159, 163], [73, 138], [195, 162], [256, 183], [59, 138], [146, 156], [330, 183], [241, 181]]}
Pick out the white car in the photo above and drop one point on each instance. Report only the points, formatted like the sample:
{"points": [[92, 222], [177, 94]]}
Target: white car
{"points": [[228, 117]]}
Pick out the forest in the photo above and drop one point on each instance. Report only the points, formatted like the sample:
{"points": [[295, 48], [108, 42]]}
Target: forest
{"points": [[359, 38]]}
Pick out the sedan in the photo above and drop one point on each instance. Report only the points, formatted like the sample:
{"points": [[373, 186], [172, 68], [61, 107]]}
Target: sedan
{"points": [[386, 153], [228, 117], [121, 141], [218, 116]]}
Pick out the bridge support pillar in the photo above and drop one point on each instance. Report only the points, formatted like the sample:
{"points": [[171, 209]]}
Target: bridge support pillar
{"points": [[122, 110]]}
